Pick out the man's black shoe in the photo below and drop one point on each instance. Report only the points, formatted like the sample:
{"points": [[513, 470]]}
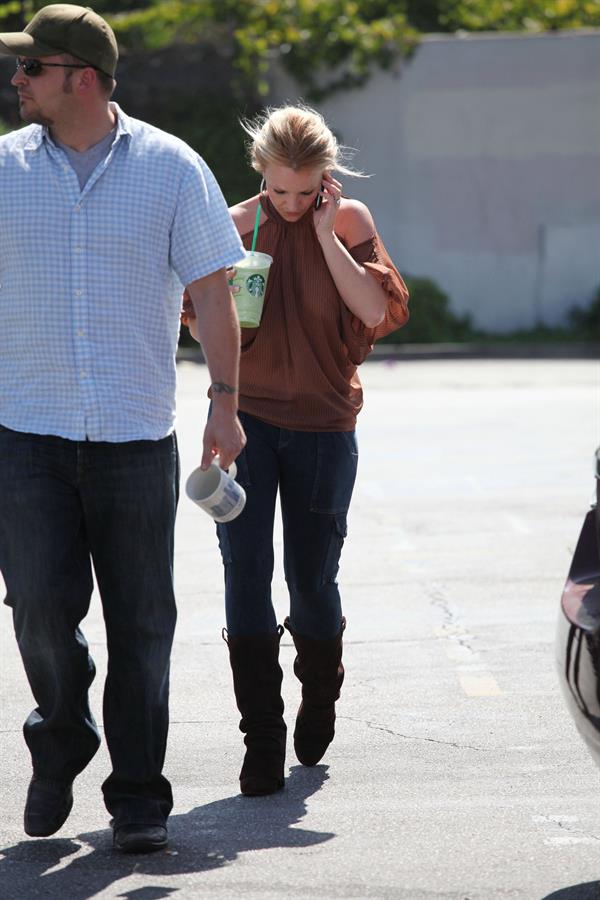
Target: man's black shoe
{"points": [[47, 807], [139, 838]]}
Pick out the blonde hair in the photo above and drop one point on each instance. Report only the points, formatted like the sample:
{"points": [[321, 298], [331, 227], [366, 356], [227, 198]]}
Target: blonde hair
{"points": [[297, 137]]}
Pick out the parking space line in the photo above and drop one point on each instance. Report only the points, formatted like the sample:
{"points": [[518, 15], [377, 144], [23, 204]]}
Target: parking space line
{"points": [[482, 685]]}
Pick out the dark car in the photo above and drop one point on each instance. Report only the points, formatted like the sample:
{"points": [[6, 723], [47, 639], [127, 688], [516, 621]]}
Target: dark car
{"points": [[578, 633]]}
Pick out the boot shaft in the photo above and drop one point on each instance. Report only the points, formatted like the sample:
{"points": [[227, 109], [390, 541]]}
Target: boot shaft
{"points": [[318, 666], [257, 676]]}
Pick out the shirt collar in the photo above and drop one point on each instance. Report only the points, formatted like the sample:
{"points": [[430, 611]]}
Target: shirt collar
{"points": [[123, 122], [40, 133]]}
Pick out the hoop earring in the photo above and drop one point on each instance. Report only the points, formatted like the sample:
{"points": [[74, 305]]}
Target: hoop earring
{"points": [[263, 186]]}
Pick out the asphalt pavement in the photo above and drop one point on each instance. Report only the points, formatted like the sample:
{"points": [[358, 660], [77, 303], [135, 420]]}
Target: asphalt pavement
{"points": [[456, 772]]}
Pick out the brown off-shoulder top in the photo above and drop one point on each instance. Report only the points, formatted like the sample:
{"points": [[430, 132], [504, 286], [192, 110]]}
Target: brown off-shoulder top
{"points": [[298, 369]]}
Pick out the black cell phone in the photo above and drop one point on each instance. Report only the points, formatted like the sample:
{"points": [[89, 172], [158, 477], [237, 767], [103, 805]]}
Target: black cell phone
{"points": [[319, 198]]}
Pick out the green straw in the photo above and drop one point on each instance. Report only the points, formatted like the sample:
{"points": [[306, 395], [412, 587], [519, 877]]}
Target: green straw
{"points": [[256, 221]]}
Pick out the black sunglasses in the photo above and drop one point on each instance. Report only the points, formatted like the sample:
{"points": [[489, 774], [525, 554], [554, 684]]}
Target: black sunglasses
{"points": [[34, 67]]}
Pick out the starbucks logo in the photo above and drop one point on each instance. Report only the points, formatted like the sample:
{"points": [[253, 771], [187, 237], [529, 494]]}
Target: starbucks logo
{"points": [[255, 285]]}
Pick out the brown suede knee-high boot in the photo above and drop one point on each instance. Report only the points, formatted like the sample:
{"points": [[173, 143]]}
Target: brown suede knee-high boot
{"points": [[318, 666], [257, 679]]}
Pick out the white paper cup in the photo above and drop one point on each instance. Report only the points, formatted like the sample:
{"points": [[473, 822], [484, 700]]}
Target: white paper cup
{"points": [[216, 492]]}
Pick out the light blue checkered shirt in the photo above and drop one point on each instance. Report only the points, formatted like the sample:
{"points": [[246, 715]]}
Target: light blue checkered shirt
{"points": [[90, 280]]}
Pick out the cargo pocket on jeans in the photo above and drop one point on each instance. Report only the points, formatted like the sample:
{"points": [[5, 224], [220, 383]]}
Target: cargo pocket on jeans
{"points": [[339, 530], [337, 462]]}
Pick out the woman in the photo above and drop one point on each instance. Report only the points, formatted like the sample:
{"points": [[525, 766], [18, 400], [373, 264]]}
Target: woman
{"points": [[332, 291]]}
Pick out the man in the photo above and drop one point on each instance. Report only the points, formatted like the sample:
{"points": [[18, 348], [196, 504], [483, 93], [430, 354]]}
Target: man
{"points": [[102, 219]]}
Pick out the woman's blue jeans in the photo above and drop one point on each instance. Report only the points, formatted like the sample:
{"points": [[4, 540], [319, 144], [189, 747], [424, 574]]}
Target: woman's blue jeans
{"points": [[63, 506], [314, 473]]}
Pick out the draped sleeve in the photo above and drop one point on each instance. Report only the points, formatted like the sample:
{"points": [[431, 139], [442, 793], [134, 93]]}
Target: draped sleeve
{"points": [[374, 258]]}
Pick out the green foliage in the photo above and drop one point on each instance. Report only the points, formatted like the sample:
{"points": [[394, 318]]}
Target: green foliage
{"points": [[431, 319], [4, 128], [424, 15], [11, 16], [213, 129], [585, 323], [20, 11], [325, 45], [518, 15], [167, 22]]}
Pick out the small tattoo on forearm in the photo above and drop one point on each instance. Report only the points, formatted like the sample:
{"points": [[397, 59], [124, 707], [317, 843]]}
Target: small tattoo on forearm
{"points": [[219, 387]]}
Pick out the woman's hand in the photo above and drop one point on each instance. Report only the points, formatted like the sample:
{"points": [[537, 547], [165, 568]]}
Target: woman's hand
{"points": [[324, 217], [187, 309], [231, 273]]}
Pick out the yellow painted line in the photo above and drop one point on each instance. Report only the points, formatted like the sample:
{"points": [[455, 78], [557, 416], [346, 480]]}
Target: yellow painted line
{"points": [[449, 630], [483, 685], [474, 680]]}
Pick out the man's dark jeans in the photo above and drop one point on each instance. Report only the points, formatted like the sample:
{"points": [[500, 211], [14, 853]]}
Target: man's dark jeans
{"points": [[63, 506], [314, 473]]}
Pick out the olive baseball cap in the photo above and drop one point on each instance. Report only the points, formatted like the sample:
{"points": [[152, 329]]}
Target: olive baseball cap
{"points": [[65, 28]]}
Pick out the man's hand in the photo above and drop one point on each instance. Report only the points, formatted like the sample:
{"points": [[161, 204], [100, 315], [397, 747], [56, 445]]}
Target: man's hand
{"points": [[223, 437]]}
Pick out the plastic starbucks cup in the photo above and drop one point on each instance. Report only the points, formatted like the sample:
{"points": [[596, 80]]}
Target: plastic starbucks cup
{"points": [[251, 279]]}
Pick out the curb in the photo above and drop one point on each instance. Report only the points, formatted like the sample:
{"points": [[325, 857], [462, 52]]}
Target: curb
{"points": [[412, 352]]}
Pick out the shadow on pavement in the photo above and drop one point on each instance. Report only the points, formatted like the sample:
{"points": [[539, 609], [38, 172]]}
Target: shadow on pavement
{"points": [[588, 891], [205, 838]]}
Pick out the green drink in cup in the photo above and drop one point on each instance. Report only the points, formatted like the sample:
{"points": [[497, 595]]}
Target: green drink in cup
{"points": [[251, 278]]}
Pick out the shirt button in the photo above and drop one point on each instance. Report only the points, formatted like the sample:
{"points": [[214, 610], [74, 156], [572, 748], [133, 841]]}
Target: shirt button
{"points": [[83, 373], [78, 249], [78, 207], [78, 292], [80, 332]]}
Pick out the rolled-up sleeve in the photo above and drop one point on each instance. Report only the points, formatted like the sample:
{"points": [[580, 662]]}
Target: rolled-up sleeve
{"points": [[374, 258], [203, 236]]}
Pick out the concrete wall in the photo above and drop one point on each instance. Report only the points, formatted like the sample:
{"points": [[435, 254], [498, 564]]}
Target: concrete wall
{"points": [[486, 159]]}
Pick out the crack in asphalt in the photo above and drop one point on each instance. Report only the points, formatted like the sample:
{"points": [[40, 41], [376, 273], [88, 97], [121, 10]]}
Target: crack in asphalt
{"points": [[410, 737], [439, 599], [568, 827]]}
